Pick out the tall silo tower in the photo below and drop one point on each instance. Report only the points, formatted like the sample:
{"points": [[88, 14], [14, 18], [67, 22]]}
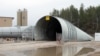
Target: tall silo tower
{"points": [[22, 18], [19, 18]]}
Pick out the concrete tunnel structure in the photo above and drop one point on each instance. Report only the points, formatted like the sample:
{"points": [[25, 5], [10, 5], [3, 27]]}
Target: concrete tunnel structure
{"points": [[47, 28]]}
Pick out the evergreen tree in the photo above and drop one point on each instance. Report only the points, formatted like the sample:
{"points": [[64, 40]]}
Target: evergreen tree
{"points": [[55, 13], [98, 18], [86, 19]]}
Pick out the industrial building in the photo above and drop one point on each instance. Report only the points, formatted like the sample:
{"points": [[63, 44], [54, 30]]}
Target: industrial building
{"points": [[22, 17], [47, 29], [6, 21]]}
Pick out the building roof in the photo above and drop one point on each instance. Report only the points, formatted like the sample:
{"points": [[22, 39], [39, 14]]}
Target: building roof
{"points": [[6, 17]]}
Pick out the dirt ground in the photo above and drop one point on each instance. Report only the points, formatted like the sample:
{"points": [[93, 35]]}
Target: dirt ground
{"points": [[36, 48], [89, 48], [95, 54], [39, 52], [48, 49]]}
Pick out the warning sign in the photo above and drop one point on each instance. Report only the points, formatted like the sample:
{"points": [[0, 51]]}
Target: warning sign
{"points": [[47, 18]]}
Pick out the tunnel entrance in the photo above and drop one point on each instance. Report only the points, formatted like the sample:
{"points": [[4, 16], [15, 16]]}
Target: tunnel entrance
{"points": [[47, 28]]}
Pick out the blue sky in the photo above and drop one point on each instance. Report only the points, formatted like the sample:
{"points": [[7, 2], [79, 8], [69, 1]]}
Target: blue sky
{"points": [[38, 8]]}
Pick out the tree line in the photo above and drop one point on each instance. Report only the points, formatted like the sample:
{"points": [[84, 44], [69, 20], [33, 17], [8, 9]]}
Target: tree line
{"points": [[87, 19]]}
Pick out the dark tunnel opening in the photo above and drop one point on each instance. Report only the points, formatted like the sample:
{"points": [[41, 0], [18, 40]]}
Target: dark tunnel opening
{"points": [[48, 28]]}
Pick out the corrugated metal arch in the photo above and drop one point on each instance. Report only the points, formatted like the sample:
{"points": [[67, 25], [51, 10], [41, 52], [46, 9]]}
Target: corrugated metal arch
{"points": [[69, 31]]}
